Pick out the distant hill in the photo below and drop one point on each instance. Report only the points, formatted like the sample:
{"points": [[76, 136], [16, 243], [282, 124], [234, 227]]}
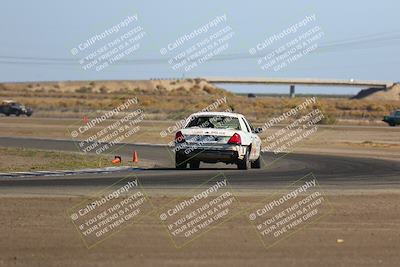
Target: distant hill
{"points": [[195, 86], [392, 93]]}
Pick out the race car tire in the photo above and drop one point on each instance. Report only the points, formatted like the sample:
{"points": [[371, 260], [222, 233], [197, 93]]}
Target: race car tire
{"points": [[194, 164], [244, 164], [180, 162], [256, 164]]}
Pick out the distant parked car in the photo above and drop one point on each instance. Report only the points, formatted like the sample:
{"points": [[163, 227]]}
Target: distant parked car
{"points": [[10, 107], [393, 119]]}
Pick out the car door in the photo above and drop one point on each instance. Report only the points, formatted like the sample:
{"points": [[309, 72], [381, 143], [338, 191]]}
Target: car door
{"points": [[255, 140]]}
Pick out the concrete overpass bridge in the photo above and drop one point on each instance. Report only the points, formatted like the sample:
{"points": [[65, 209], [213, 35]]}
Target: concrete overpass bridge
{"points": [[292, 82]]}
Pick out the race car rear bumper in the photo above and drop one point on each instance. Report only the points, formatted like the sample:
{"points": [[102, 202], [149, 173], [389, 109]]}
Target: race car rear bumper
{"points": [[227, 154], [213, 156]]}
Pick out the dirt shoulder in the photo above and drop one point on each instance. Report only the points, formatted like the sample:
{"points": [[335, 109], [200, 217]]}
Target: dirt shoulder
{"points": [[22, 159], [361, 231]]}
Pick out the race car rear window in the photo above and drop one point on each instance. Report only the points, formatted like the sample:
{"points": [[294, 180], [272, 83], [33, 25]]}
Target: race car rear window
{"points": [[217, 122]]}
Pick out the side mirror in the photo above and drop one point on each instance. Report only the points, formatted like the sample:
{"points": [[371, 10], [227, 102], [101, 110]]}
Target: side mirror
{"points": [[258, 130]]}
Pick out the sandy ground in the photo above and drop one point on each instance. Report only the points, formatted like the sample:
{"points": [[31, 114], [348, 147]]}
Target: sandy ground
{"points": [[35, 231]]}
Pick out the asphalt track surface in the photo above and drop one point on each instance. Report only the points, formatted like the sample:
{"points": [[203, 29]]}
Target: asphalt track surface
{"points": [[333, 171]]}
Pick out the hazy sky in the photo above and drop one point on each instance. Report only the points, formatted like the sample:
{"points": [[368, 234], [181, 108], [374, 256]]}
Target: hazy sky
{"points": [[361, 38]]}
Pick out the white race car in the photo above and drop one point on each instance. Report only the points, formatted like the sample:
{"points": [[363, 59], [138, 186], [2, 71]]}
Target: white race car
{"points": [[213, 137]]}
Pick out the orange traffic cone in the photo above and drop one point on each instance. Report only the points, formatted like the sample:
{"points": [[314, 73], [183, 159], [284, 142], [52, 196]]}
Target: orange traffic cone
{"points": [[117, 160], [135, 157]]}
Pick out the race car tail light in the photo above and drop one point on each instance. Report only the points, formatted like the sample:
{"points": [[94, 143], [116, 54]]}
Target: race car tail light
{"points": [[235, 140], [179, 138]]}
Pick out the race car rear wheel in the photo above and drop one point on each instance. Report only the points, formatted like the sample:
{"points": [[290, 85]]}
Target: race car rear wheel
{"points": [[195, 164], [244, 164], [180, 162], [256, 164]]}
